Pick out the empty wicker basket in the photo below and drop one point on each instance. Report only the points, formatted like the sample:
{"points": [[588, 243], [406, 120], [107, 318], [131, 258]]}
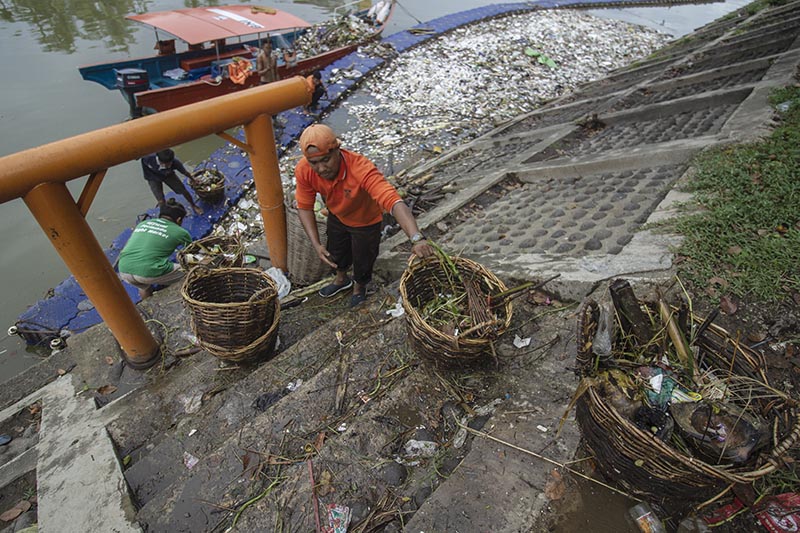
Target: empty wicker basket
{"points": [[235, 311], [305, 266], [420, 283], [213, 252]]}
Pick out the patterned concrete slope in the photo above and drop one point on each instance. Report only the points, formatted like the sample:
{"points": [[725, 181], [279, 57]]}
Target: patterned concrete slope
{"points": [[568, 188]]}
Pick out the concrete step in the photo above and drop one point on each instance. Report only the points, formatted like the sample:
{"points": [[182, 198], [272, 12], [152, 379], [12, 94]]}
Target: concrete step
{"points": [[204, 420], [75, 452], [305, 410], [355, 465]]}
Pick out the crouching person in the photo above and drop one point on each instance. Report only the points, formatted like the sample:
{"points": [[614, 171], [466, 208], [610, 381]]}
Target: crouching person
{"points": [[144, 261]]}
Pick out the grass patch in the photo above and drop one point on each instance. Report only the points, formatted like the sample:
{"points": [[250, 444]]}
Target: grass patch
{"points": [[747, 228]]}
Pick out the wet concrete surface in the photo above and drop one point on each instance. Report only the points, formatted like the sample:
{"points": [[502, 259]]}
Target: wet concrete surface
{"points": [[545, 195]]}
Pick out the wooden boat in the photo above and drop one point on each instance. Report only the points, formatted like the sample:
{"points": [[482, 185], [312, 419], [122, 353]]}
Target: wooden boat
{"points": [[213, 37]]}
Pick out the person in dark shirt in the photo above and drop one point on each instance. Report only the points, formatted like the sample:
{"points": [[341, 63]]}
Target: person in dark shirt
{"points": [[160, 168]]}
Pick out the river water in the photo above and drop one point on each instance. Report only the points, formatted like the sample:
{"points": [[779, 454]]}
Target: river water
{"points": [[44, 99]]}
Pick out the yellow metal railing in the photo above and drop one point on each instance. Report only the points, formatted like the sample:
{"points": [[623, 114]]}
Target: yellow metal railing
{"points": [[39, 177]]}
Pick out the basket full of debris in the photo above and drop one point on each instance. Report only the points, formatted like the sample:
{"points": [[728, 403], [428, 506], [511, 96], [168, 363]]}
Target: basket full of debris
{"points": [[208, 184], [219, 251], [673, 406], [453, 309], [234, 311]]}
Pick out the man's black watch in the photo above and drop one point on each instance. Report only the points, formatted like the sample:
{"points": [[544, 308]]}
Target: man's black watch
{"points": [[417, 237]]}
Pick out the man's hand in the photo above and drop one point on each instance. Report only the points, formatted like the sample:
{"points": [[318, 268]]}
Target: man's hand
{"points": [[325, 255], [422, 249]]}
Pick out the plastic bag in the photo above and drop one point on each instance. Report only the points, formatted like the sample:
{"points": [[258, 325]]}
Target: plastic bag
{"points": [[284, 285]]}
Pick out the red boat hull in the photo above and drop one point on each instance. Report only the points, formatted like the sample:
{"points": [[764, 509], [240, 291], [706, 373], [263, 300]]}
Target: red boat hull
{"points": [[201, 90]]}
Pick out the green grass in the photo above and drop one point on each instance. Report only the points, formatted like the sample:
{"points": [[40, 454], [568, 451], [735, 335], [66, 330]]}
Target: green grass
{"points": [[747, 228]]}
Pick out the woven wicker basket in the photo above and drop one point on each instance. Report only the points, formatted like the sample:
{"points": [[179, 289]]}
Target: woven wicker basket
{"points": [[209, 190], [234, 311], [305, 266], [260, 349], [218, 252], [649, 467], [420, 283]]}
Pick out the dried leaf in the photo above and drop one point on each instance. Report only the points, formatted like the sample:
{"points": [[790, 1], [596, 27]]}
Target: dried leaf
{"points": [[15, 511], [716, 280], [11, 514], [319, 441], [34, 408], [324, 486], [727, 305], [105, 390], [756, 336], [734, 250], [555, 489]]}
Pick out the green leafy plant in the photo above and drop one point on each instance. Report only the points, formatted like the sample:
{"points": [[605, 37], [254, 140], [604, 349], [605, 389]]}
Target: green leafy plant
{"points": [[744, 230]]}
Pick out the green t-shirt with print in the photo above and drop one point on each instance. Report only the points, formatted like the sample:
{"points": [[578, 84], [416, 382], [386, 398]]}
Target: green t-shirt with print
{"points": [[149, 248]]}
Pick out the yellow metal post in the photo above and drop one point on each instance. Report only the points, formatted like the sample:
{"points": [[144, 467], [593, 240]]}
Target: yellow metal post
{"points": [[267, 178], [57, 213]]}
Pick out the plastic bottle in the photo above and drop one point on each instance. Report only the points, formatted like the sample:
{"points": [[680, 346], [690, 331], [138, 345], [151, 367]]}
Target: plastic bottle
{"points": [[645, 518]]}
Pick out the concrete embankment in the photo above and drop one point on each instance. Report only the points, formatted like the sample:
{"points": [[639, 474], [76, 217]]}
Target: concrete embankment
{"points": [[565, 190]]}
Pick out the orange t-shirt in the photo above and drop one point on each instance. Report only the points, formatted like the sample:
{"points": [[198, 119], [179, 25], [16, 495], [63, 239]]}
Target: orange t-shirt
{"points": [[357, 196]]}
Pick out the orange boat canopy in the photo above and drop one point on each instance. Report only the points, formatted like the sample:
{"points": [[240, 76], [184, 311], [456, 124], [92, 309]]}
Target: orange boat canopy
{"points": [[201, 24]]}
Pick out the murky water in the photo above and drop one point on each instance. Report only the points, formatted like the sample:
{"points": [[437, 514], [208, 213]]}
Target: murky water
{"points": [[44, 99]]}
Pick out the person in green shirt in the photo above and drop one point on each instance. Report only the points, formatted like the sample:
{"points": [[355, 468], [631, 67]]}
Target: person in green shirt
{"points": [[145, 259]]}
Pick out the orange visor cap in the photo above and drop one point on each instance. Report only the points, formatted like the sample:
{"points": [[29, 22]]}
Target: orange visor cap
{"points": [[320, 137]]}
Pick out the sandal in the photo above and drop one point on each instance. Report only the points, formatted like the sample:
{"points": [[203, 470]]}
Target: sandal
{"points": [[330, 290], [357, 299]]}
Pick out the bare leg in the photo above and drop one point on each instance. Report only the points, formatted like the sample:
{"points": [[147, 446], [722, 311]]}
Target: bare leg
{"points": [[359, 288], [341, 277], [146, 293], [196, 207]]}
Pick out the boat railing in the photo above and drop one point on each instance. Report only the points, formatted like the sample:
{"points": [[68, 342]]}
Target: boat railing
{"points": [[39, 177], [345, 9]]}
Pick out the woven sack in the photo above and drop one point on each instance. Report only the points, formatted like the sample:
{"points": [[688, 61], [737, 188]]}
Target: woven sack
{"points": [[420, 284], [231, 308], [647, 466], [305, 266]]}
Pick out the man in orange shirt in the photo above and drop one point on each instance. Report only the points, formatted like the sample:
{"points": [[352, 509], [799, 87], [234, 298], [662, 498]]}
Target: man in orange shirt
{"points": [[317, 89], [356, 194]]}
